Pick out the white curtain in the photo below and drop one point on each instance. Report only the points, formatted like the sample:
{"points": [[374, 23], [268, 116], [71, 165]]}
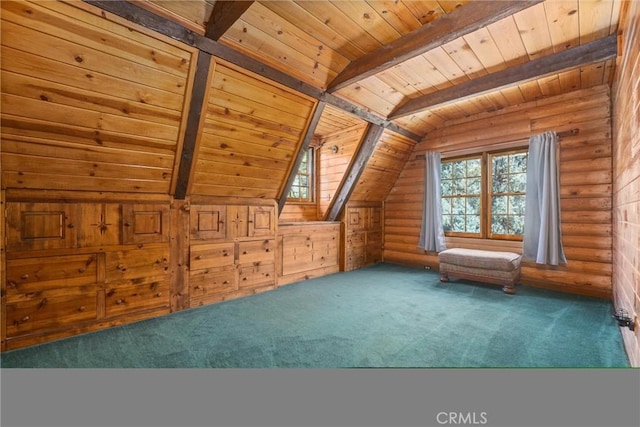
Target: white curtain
{"points": [[542, 240], [432, 233]]}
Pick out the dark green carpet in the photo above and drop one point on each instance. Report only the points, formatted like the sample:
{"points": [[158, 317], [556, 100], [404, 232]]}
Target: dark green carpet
{"points": [[382, 316]]}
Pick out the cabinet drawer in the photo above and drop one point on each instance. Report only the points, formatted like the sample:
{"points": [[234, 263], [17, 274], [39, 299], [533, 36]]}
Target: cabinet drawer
{"points": [[254, 275], [138, 264], [49, 310], [212, 282], [128, 297], [256, 251], [37, 274], [211, 255]]}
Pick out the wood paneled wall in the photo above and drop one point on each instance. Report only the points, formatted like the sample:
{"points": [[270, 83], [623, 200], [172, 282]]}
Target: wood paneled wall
{"points": [[333, 166], [251, 134], [87, 103], [297, 212], [585, 186], [383, 168], [626, 177]]}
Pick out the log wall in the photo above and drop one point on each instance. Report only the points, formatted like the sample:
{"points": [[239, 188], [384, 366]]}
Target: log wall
{"points": [[626, 177], [585, 186]]}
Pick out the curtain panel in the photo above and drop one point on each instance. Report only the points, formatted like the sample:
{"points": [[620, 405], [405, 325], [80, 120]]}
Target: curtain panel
{"points": [[432, 232], [542, 240]]}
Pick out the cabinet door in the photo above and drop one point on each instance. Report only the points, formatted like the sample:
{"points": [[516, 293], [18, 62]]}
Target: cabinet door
{"points": [[145, 223], [208, 222], [261, 221], [100, 224], [297, 254], [35, 226], [357, 218], [375, 219], [237, 221]]}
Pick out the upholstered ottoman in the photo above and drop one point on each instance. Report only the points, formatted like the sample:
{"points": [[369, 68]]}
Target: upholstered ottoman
{"points": [[500, 268]]}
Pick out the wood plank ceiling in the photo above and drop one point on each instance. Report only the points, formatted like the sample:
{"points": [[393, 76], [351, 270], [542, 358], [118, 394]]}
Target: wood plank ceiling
{"points": [[330, 44]]}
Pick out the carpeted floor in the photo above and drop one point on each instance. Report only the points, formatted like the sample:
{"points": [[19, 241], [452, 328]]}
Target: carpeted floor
{"points": [[381, 316]]}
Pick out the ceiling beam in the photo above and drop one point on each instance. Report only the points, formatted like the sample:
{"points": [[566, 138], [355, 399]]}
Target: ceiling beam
{"points": [[365, 150], [595, 51], [303, 148], [140, 16], [463, 20], [199, 93], [225, 13]]}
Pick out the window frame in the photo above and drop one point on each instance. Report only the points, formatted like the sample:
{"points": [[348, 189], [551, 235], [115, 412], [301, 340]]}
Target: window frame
{"points": [[311, 180], [486, 193]]}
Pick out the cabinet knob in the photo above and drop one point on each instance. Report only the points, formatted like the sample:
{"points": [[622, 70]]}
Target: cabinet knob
{"points": [[244, 252], [25, 318], [24, 276], [120, 301], [159, 294], [198, 287], [267, 250], [199, 257], [126, 224], [226, 282], [81, 308], [71, 225], [81, 270], [244, 278]]}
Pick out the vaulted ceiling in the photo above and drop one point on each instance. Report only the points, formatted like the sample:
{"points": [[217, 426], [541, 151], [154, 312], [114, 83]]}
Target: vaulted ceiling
{"points": [[414, 64]]}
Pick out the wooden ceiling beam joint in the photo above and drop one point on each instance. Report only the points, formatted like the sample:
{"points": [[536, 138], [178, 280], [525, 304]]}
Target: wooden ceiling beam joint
{"points": [[360, 160], [225, 13], [595, 51], [464, 20]]}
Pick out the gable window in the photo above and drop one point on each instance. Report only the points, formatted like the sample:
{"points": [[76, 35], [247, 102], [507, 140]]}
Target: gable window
{"points": [[483, 195], [302, 187]]}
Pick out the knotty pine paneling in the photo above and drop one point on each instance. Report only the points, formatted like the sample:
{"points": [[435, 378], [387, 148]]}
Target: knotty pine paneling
{"points": [[626, 178], [585, 185], [251, 133], [89, 102], [383, 168], [296, 212], [334, 157]]}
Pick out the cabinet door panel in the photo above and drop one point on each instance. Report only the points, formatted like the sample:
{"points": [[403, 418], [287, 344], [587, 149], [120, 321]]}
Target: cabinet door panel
{"points": [[35, 226], [145, 223], [237, 221], [37, 274], [208, 222], [138, 264], [49, 310], [211, 255], [101, 223], [261, 221]]}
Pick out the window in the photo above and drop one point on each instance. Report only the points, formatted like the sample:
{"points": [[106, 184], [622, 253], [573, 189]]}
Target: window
{"points": [[485, 201], [302, 187]]}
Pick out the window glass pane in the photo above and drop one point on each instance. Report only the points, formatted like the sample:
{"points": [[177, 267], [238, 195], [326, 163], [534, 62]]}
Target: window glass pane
{"points": [[473, 185], [518, 163], [499, 205], [459, 205], [499, 183], [459, 186], [459, 169], [499, 165], [459, 223], [473, 223], [517, 183], [446, 188], [516, 205], [474, 167], [446, 206], [516, 225], [446, 170], [499, 224], [473, 205]]}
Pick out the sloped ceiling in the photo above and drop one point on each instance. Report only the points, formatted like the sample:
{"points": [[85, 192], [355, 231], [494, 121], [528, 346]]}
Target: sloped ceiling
{"points": [[317, 41]]}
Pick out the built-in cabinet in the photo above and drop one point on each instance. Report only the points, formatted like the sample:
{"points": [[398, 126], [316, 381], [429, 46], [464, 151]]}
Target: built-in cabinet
{"points": [[72, 266], [362, 234], [307, 250], [232, 250]]}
